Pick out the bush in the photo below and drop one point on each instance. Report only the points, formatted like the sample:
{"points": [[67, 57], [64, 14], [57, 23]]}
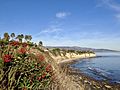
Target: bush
{"points": [[22, 69]]}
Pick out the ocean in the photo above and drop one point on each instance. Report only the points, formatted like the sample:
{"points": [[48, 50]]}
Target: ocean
{"points": [[106, 66]]}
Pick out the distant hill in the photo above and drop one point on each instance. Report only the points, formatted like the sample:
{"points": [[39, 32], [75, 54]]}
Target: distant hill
{"points": [[81, 48]]}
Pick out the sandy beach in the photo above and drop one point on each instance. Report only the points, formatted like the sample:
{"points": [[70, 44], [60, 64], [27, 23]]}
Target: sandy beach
{"points": [[77, 57]]}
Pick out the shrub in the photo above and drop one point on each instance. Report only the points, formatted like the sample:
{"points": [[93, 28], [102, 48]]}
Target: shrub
{"points": [[21, 69]]}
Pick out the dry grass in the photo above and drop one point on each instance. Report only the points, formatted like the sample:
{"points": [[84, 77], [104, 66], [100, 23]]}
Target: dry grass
{"points": [[62, 80]]}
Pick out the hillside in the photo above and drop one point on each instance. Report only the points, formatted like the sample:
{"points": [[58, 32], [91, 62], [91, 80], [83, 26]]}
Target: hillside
{"points": [[24, 65], [82, 48]]}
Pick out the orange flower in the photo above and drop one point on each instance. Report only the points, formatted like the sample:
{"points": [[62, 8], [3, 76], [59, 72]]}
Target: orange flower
{"points": [[24, 44], [40, 57], [22, 50], [15, 43], [24, 88]]}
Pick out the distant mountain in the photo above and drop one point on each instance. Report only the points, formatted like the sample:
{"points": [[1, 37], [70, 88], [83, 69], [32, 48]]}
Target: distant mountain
{"points": [[104, 50], [81, 48]]}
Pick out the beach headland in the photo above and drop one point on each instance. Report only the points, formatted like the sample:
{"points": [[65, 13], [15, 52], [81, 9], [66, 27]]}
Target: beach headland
{"points": [[70, 57], [66, 81]]}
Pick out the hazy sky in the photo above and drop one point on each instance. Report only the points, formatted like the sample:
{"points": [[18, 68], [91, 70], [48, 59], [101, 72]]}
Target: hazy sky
{"points": [[85, 23]]}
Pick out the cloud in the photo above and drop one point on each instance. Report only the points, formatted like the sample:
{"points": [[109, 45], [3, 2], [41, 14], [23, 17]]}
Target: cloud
{"points": [[88, 24], [117, 16], [51, 31], [54, 28], [111, 4], [62, 14], [114, 6]]}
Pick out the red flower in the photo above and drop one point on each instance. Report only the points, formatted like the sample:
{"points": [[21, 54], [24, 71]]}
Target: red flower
{"points": [[7, 58], [24, 44], [39, 78], [48, 68], [22, 51], [40, 57], [43, 76]]}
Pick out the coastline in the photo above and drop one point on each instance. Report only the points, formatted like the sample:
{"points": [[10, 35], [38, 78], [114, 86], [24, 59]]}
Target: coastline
{"points": [[90, 83], [84, 80], [76, 57]]}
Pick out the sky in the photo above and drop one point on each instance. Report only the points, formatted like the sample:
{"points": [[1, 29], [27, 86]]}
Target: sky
{"points": [[84, 23]]}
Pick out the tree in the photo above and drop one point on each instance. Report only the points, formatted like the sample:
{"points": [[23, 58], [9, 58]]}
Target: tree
{"points": [[40, 43], [6, 37], [28, 37], [12, 35], [20, 37]]}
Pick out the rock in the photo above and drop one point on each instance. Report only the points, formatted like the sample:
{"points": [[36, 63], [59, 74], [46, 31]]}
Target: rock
{"points": [[107, 86], [80, 78]]}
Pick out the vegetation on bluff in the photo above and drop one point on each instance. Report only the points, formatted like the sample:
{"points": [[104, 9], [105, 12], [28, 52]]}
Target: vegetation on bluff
{"points": [[24, 65], [60, 52], [20, 67]]}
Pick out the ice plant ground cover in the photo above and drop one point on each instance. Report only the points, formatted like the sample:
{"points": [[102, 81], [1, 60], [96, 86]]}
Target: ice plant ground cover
{"points": [[21, 69]]}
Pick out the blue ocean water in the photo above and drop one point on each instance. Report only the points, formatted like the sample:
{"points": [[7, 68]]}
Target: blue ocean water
{"points": [[106, 66]]}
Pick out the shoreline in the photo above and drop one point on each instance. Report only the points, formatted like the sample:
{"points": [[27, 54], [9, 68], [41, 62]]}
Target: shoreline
{"points": [[84, 79], [83, 56], [73, 60]]}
